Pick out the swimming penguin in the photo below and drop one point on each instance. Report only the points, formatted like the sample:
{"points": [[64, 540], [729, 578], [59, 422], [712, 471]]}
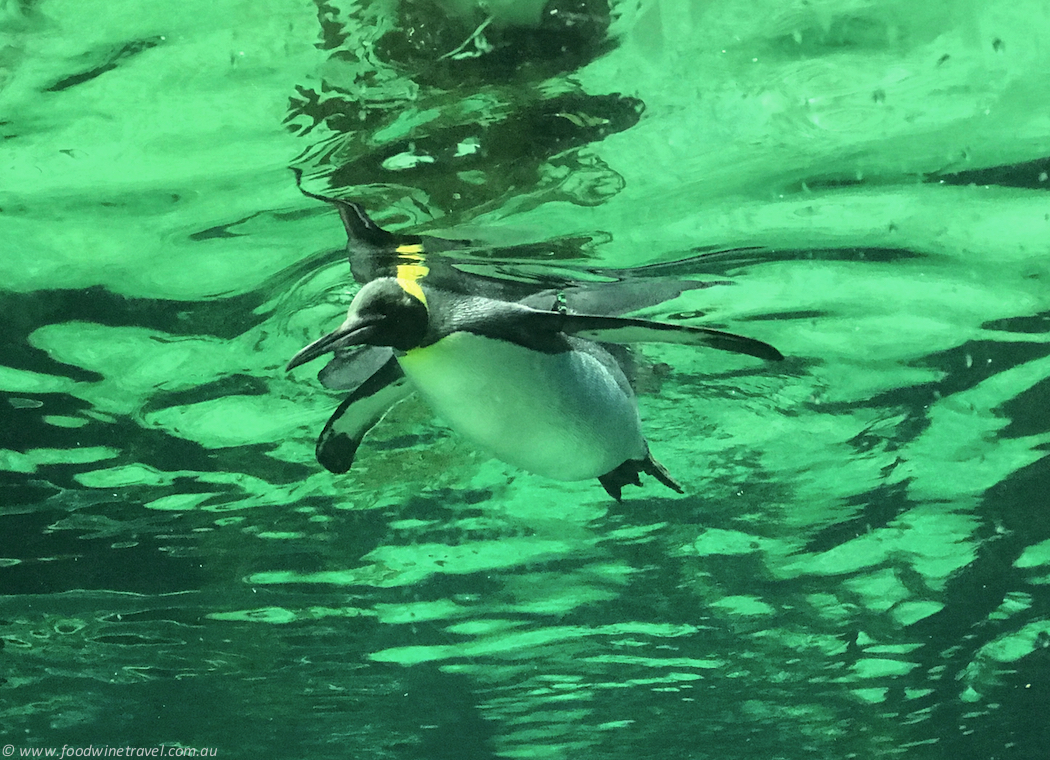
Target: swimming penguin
{"points": [[533, 386]]}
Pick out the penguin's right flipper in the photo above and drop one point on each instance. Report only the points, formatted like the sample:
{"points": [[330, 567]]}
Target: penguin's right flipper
{"points": [[627, 475], [611, 299], [629, 330], [359, 413]]}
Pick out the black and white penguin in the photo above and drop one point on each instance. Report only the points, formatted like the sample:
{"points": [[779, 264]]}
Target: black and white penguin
{"points": [[533, 386]]}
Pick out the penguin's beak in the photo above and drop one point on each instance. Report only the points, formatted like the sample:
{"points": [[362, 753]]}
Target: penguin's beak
{"points": [[353, 332]]}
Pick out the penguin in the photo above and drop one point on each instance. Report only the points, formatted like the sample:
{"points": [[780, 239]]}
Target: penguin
{"points": [[530, 368], [535, 387]]}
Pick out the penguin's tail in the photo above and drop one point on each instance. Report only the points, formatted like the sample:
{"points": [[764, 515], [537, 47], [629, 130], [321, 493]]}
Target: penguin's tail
{"points": [[627, 474]]}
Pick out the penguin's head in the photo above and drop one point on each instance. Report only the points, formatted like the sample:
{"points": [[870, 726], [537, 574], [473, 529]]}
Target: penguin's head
{"points": [[385, 312]]}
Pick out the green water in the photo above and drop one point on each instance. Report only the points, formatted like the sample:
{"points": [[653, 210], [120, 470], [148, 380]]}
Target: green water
{"points": [[859, 566]]}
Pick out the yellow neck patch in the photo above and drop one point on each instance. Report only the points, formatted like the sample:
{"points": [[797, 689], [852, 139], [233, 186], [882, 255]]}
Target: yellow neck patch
{"points": [[412, 271]]}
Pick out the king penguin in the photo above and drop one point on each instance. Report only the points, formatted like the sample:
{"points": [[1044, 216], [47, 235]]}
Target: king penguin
{"points": [[535, 387]]}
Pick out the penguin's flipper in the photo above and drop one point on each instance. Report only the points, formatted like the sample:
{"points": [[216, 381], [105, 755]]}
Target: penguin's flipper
{"points": [[627, 475], [611, 299], [352, 366], [359, 413], [628, 330]]}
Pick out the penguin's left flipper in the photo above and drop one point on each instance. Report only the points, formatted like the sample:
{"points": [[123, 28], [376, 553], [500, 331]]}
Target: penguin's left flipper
{"points": [[627, 474], [350, 367], [628, 330], [359, 413]]}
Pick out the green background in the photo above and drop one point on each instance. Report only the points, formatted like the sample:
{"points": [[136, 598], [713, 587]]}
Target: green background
{"points": [[859, 566]]}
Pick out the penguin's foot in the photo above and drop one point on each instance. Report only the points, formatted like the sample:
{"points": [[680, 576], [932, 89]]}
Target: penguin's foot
{"points": [[628, 474]]}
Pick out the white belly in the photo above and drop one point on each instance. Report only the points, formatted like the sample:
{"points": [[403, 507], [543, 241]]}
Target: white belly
{"points": [[558, 415]]}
